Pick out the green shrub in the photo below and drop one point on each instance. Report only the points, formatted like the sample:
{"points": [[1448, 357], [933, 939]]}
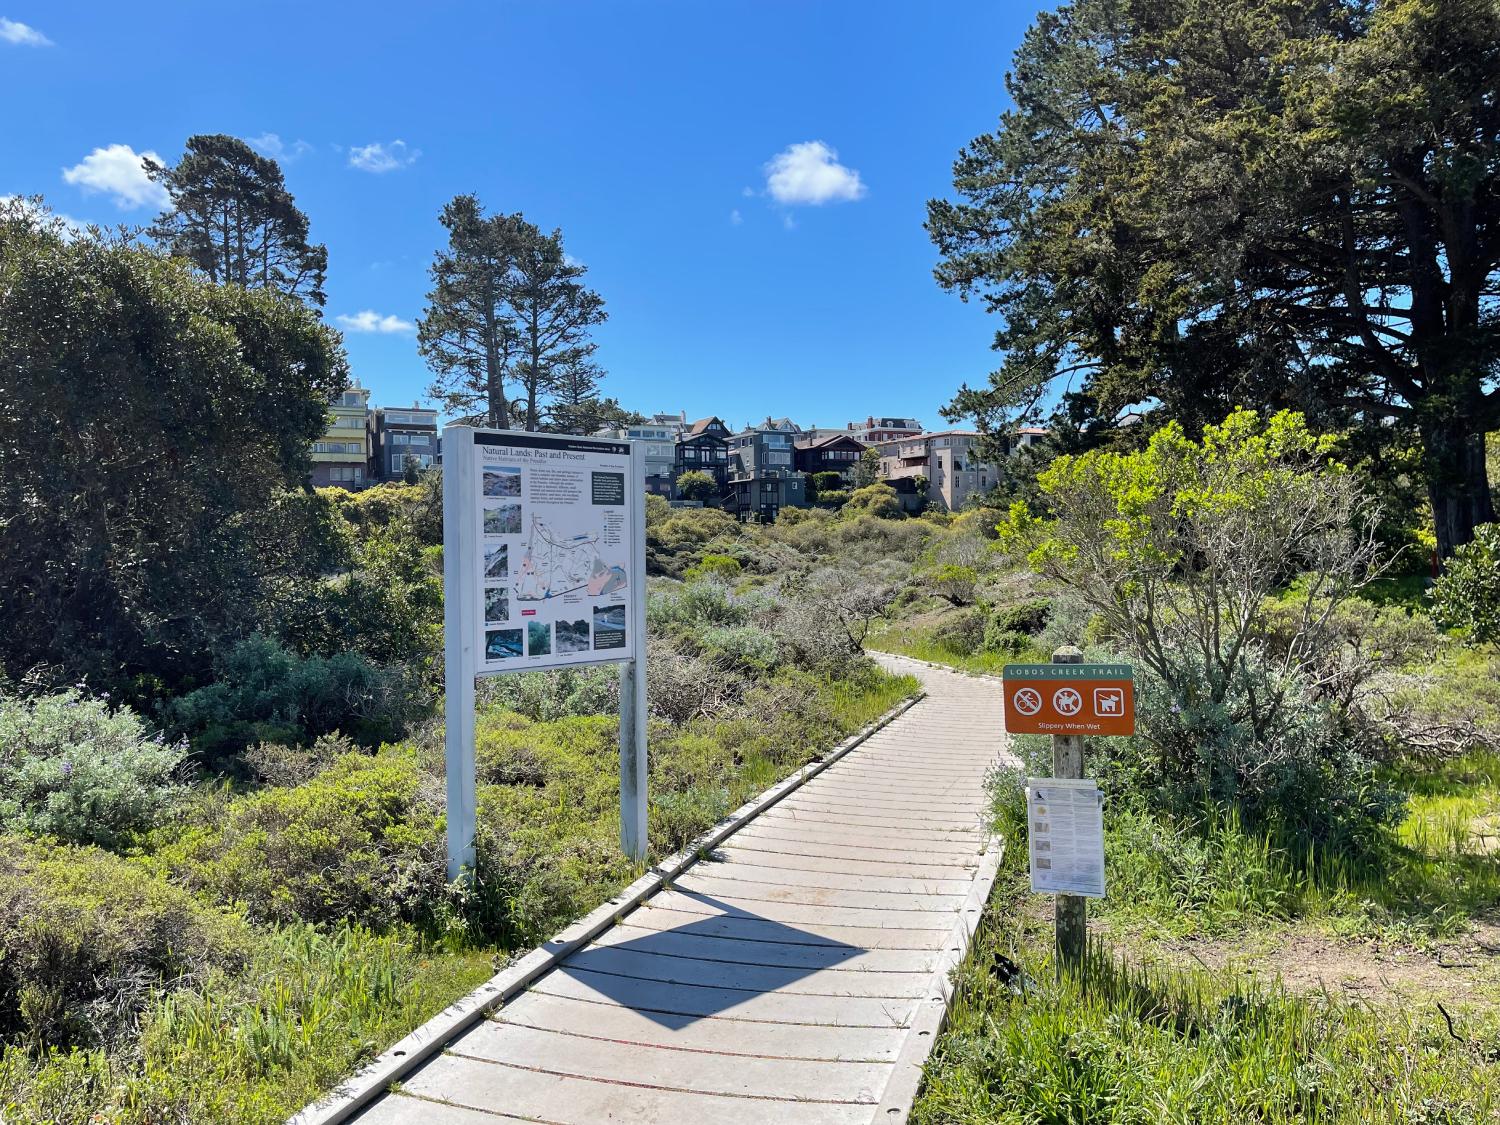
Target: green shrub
{"points": [[72, 768], [679, 818], [1467, 596], [879, 500], [658, 509], [263, 693], [1029, 617], [723, 567], [962, 633], [697, 605], [1309, 776], [554, 694], [695, 484], [745, 647], [682, 533], [86, 938], [1006, 642], [273, 763], [360, 842], [826, 482], [953, 583], [832, 498]]}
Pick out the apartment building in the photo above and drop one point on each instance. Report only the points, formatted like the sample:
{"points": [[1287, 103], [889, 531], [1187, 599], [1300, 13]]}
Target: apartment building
{"points": [[341, 457], [875, 430], [704, 446], [870, 431], [947, 459], [763, 473], [838, 453], [399, 434], [659, 434]]}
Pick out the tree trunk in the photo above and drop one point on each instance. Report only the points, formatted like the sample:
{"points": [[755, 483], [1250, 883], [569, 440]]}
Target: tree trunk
{"points": [[1458, 484]]}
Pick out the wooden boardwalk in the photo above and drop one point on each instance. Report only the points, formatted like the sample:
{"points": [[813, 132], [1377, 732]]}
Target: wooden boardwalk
{"points": [[797, 978]]}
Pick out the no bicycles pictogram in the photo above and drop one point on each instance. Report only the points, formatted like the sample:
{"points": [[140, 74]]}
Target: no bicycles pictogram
{"points": [[1028, 701]]}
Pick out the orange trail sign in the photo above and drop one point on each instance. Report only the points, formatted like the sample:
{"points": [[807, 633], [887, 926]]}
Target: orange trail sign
{"points": [[1079, 699]]}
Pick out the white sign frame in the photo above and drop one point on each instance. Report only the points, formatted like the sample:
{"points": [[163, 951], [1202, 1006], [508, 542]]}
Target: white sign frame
{"points": [[1065, 836], [466, 453]]}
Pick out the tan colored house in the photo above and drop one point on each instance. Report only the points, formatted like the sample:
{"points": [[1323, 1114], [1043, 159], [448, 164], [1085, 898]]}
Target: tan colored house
{"points": [[946, 459]]}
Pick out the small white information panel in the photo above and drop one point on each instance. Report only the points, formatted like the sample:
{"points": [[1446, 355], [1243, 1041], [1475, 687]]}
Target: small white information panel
{"points": [[554, 523], [1066, 834]]}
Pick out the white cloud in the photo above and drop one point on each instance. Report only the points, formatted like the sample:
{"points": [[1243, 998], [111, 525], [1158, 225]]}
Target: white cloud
{"points": [[368, 320], [735, 218], [117, 171], [271, 144], [19, 35], [809, 172], [378, 157]]}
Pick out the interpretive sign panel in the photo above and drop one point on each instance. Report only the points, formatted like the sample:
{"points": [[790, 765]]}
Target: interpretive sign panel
{"points": [[544, 565], [1069, 699], [555, 557], [1065, 832]]}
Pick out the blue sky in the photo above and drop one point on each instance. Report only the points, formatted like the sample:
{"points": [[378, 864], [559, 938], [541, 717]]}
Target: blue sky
{"points": [[745, 181]]}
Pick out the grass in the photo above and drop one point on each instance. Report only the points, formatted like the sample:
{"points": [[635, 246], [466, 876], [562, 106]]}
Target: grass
{"points": [[1125, 1042], [919, 643], [254, 1045], [253, 1042], [1140, 1037], [1426, 879]]}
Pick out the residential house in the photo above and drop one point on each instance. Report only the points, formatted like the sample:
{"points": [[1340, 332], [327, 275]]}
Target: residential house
{"points": [[659, 438], [704, 446], [1026, 436], [341, 456], [763, 473], [875, 430], [399, 434], [838, 453], [946, 459]]}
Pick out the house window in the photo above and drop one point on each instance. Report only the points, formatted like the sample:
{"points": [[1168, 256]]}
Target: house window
{"points": [[773, 457]]}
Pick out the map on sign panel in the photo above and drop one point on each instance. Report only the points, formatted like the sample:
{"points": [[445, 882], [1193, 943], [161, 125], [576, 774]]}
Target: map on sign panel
{"points": [[552, 566]]}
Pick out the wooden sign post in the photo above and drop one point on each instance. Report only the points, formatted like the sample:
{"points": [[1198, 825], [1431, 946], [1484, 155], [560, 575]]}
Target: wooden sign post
{"points": [[1069, 699]]}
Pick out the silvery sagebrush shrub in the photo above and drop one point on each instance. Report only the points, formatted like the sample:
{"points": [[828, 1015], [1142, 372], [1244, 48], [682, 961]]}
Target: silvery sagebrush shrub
{"points": [[74, 768], [554, 694]]}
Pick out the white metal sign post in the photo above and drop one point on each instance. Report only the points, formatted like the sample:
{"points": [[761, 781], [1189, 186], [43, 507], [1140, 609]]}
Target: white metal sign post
{"points": [[544, 566]]}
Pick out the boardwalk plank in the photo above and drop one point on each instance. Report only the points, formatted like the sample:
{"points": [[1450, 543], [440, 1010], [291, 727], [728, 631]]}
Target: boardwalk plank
{"points": [[776, 982]]}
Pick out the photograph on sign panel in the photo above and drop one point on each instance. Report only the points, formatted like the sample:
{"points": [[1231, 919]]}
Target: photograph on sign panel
{"points": [[502, 644], [573, 636], [609, 626], [538, 638], [496, 605], [497, 561], [502, 482], [505, 519]]}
